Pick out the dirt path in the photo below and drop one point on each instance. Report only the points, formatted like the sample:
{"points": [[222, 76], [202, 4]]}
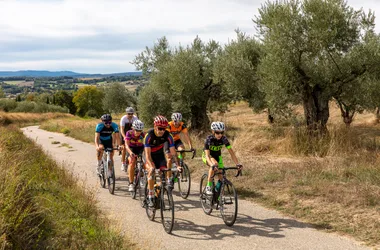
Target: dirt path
{"points": [[256, 227]]}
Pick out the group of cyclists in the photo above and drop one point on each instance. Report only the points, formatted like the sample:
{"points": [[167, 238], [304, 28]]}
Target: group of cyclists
{"points": [[159, 144]]}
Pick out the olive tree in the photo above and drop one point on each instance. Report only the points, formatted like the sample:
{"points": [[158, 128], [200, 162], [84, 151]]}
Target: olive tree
{"points": [[182, 78], [314, 50]]}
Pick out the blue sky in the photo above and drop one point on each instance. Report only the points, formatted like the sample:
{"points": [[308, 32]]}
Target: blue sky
{"points": [[104, 36]]}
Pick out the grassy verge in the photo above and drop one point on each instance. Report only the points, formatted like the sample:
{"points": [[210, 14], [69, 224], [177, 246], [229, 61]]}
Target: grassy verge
{"points": [[28, 118], [42, 206]]}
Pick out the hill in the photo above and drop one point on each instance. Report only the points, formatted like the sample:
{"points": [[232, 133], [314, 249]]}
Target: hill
{"points": [[45, 73]]}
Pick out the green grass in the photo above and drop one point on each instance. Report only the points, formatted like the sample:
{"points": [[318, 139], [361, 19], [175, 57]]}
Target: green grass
{"points": [[42, 206]]}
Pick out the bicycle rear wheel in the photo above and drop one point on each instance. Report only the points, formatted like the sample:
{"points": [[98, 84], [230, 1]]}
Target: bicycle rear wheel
{"points": [[206, 200], [228, 203], [184, 182], [111, 179], [141, 186], [167, 210], [150, 211]]}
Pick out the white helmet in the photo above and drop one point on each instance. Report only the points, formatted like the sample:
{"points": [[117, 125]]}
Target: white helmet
{"points": [[177, 117], [217, 126], [129, 110], [138, 125]]}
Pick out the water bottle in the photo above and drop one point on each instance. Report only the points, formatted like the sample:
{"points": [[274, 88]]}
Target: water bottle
{"points": [[217, 187]]}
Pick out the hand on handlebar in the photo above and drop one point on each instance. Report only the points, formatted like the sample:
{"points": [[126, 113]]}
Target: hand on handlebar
{"points": [[240, 168]]}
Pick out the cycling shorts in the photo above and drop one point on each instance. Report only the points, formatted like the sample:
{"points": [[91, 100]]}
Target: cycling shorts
{"points": [[220, 160], [106, 143]]}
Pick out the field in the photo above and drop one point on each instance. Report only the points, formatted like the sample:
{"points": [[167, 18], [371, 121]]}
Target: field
{"points": [[332, 182]]}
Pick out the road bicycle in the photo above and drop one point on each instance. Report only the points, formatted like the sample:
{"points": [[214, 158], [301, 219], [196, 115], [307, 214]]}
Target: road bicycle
{"points": [[107, 171], [183, 178], [163, 200], [139, 179], [223, 198]]}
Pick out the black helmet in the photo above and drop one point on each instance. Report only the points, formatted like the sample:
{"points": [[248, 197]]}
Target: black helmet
{"points": [[106, 117]]}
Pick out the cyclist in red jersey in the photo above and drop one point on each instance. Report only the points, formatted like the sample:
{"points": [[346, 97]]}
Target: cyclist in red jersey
{"points": [[154, 152]]}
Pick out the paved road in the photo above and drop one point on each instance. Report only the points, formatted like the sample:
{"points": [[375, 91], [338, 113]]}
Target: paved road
{"points": [[255, 228]]}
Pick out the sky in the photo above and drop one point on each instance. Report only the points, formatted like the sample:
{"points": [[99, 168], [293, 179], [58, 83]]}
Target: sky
{"points": [[104, 36]]}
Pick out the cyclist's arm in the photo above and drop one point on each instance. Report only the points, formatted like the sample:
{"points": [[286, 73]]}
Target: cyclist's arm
{"points": [[208, 157], [233, 156], [148, 157], [173, 152], [122, 128], [186, 134], [127, 146], [97, 139]]}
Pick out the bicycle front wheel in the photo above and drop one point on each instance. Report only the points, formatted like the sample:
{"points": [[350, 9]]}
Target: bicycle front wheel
{"points": [[228, 203], [150, 211], [102, 177], [184, 182], [142, 182], [167, 210], [111, 178], [206, 200]]}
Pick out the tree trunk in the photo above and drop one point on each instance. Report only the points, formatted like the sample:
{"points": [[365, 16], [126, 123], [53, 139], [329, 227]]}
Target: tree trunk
{"points": [[316, 109], [377, 113], [199, 119], [347, 114]]}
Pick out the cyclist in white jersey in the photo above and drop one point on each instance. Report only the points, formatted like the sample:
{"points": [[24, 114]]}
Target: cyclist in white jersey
{"points": [[125, 125]]}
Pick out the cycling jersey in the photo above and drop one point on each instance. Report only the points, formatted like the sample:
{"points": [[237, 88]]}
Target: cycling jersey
{"points": [[135, 141], [156, 143], [106, 133], [215, 146], [127, 123], [175, 131]]}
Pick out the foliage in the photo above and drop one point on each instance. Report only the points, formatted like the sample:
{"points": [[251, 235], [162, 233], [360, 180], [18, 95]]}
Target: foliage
{"points": [[313, 50], [65, 99], [2, 94], [182, 78], [237, 67], [88, 101], [117, 98]]}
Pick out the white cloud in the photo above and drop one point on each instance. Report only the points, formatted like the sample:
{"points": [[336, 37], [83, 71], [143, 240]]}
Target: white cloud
{"points": [[103, 36]]}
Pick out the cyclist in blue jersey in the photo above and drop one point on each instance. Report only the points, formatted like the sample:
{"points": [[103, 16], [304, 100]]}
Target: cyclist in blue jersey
{"points": [[104, 137], [212, 152], [154, 152]]}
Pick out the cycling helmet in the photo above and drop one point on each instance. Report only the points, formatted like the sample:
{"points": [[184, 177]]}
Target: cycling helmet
{"points": [[217, 126], [160, 121], [106, 117], [177, 117], [129, 110], [138, 125]]}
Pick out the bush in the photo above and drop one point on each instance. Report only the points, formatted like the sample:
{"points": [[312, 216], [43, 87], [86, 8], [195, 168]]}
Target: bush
{"points": [[7, 105]]}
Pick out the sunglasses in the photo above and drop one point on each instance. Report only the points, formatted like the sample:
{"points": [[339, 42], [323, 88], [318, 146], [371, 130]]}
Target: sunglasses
{"points": [[130, 114], [219, 133], [138, 130], [161, 129], [108, 122]]}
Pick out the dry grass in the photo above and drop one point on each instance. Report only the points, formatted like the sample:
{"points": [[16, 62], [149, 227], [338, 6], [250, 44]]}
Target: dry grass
{"points": [[28, 118], [44, 207], [332, 182]]}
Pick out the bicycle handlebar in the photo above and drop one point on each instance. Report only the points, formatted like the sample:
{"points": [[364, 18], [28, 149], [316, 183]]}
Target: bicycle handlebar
{"points": [[110, 149], [194, 151], [239, 172]]}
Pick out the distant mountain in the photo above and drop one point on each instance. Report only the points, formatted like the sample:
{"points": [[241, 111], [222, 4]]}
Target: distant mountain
{"points": [[45, 73]]}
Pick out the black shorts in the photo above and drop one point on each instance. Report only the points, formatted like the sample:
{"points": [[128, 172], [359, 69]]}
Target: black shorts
{"points": [[159, 160], [178, 143], [137, 150], [107, 144]]}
